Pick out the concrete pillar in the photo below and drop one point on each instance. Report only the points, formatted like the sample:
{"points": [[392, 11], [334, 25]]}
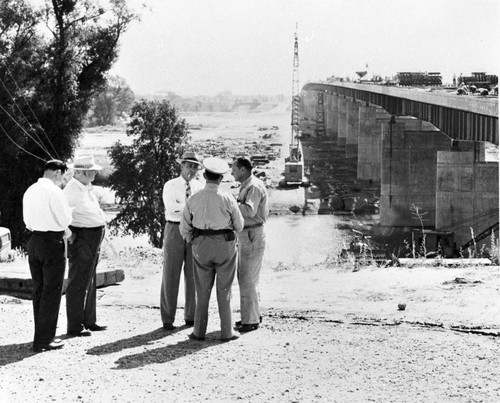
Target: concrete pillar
{"points": [[352, 129], [466, 193], [342, 126], [328, 99], [408, 175], [369, 144], [335, 116]]}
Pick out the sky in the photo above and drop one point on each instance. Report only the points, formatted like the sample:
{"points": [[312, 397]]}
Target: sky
{"points": [[205, 47]]}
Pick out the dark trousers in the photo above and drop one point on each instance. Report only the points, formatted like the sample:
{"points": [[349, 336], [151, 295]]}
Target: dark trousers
{"points": [[83, 255], [47, 264]]}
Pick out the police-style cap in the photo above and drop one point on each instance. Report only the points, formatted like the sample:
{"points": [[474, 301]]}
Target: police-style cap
{"points": [[215, 165]]}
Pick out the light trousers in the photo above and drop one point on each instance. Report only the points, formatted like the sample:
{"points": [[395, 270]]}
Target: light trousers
{"points": [[176, 256], [214, 260], [251, 247]]}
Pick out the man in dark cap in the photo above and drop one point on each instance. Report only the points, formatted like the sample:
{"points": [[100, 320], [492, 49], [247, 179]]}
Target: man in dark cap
{"points": [[209, 221], [177, 252], [253, 204], [47, 215]]}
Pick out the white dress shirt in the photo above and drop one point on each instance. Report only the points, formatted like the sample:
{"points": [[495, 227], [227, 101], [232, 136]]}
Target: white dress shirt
{"points": [[87, 212], [45, 208], [174, 196]]}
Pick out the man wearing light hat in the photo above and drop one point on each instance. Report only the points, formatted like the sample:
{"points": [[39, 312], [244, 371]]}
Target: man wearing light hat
{"points": [[209, 221], [177, 252], [87, 226]]}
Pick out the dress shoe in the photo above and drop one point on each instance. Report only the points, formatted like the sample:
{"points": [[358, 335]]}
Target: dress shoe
{"points": [[235, 336], [168, 326], [81, 333], [96, 328], [189, 323], [248, 327], [238, 324], [38, 348], [192, 336]]}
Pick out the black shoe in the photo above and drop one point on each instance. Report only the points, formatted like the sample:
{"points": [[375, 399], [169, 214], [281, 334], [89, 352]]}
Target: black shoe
{"points": [[38, 348], [238, 324], [248, 327], [168, 326], [189, 323], [192, 336], [96, 328], [81, 333], [235, 336]]}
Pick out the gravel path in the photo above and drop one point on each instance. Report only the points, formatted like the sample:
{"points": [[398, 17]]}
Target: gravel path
{"points": [[325, 348]]}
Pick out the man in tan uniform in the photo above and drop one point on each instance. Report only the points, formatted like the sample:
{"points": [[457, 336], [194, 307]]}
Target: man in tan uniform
{"points": [[209, 222]]}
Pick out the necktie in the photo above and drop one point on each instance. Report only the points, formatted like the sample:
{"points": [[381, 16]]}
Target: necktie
{"points": [[188, 190]]}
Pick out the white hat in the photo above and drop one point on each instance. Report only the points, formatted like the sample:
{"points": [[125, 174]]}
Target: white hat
{"points": [[85, 163], [190, 157], [216, 165]]}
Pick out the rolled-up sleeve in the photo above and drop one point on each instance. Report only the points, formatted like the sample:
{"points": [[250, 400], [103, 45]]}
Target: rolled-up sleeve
{"points": [[237, 218]]}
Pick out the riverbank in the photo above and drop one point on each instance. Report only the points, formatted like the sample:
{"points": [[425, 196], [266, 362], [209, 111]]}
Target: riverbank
{"points": [[328, 334]]}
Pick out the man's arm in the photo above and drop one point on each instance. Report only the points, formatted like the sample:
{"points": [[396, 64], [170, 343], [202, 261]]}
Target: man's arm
{"points": [[250, 205], [185, 227]]}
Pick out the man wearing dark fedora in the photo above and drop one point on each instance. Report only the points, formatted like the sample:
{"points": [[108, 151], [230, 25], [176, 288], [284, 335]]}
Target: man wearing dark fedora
{"points": [[177, 253], [88, 227]]}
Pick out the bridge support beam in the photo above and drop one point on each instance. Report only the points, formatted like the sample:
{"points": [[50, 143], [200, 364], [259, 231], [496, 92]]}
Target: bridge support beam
{"points": [[408, 175], [342, 125], [352, 129], [467, 191], [369, 143]]}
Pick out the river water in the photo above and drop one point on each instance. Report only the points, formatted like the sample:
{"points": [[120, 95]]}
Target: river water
{"points": [[292, 240]]}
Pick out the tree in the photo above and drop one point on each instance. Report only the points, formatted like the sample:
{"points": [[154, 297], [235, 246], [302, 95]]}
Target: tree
{"points": [[113, 102], [47, 83], [142, 168]]}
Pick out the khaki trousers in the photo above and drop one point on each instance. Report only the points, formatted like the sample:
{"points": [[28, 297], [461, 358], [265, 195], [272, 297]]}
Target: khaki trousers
{"points": [[214, 260], [251, 247], [176, 255]]}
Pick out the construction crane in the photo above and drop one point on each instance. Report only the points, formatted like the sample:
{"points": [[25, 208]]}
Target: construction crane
{"points": [[294, 166]]}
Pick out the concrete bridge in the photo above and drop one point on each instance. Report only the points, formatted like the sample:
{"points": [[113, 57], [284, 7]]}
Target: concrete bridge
{"points": [[435, 152]]}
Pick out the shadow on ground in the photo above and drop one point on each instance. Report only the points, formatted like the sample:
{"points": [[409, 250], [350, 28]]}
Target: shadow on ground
{"points": [[167, 353], [132, 342]]}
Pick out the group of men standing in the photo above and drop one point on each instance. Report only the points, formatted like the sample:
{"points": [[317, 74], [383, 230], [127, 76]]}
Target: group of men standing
{"points": [[213, 236], [209, 234], [64, 222]]}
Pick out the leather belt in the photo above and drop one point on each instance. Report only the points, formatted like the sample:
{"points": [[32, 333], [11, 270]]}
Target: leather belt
{"points": [[173, 222], [260, 224], [76, 229], [212, 231]]}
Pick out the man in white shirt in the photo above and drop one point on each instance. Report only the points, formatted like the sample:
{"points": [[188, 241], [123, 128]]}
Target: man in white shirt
{"points": [[47, 215], [84, 246], [176, 251]]}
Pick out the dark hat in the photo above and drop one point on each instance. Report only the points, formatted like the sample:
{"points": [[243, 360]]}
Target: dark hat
{"points": [[189, 156]]}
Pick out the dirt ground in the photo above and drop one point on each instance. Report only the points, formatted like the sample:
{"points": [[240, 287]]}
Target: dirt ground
{"points": [[328, 335]]}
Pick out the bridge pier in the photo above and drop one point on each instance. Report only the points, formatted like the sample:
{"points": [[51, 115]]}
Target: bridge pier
{"points": [[352, 129], [467, 191], [342, 121]]}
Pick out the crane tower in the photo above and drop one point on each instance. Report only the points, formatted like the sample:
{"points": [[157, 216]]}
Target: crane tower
{"points": [[295, 102], [294, 166]]}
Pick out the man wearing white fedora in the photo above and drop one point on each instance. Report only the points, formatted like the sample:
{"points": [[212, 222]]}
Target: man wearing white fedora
{"points": [[176, 252], [88, 226]]}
